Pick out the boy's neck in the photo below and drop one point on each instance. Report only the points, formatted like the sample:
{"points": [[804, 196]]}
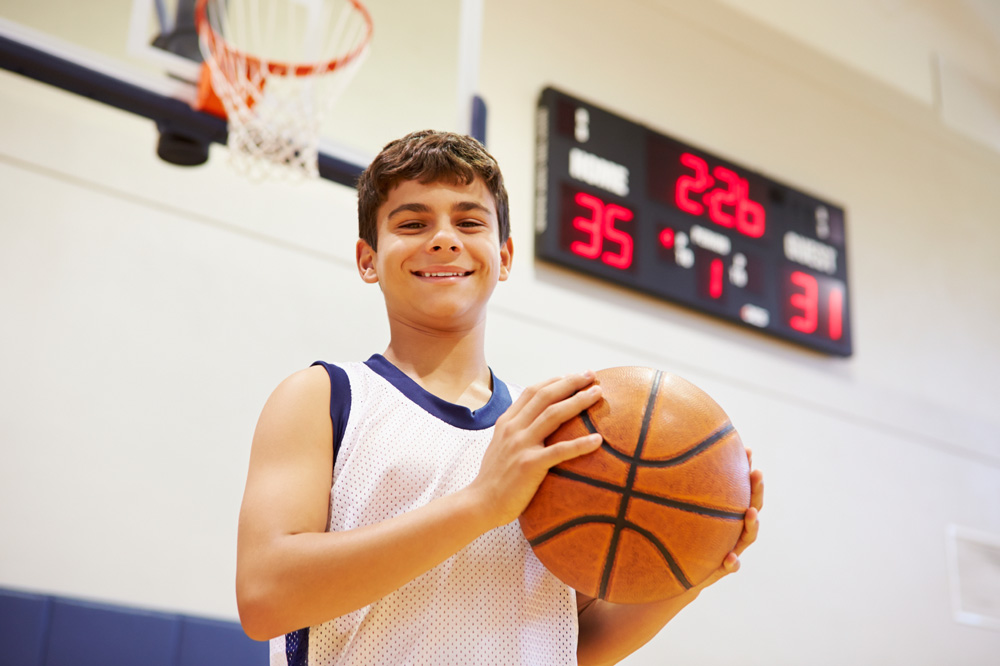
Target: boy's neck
{"points": [[451, 366]]}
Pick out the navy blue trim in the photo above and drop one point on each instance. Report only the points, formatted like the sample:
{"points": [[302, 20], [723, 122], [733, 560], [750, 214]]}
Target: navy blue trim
{"points": [[456, 415], [297, 648], [340, 402]]}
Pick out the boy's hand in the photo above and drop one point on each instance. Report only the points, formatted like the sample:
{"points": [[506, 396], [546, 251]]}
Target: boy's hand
{"points": [[751, 525], [610, 632], [516, 461]]}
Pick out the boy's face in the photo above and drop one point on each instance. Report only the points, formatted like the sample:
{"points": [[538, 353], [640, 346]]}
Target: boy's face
{"points": [[439, 254]]}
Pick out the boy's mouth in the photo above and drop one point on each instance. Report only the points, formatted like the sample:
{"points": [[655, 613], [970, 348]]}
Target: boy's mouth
{"points": [[442, 274]]}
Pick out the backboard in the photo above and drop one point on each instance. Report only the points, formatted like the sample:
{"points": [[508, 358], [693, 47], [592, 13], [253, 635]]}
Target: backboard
{"points": [[143, 56]]}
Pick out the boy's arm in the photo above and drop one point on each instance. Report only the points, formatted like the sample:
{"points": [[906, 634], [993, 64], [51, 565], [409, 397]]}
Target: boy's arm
{"points": [[611, 632], [291, 573]]}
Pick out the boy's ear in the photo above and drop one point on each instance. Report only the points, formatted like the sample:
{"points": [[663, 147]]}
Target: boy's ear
{"points": [[365, 257], [506, 258]]}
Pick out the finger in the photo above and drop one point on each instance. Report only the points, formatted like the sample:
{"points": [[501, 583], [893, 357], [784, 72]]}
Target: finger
{"points": [[751, 527], [536, 399], [730, 564], [569, 449], [757, 489], [558, 412], [528, 394]]}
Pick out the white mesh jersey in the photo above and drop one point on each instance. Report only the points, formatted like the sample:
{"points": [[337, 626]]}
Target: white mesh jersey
{"points": [[397, 448]]}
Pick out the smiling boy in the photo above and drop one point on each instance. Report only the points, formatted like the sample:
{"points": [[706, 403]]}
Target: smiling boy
{"points": [[379, 520]]}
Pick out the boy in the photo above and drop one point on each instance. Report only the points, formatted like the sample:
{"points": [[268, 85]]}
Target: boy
{"points": [[378, 524]]}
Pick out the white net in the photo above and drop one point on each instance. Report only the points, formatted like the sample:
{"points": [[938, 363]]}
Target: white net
{"points": [[278, 66]]}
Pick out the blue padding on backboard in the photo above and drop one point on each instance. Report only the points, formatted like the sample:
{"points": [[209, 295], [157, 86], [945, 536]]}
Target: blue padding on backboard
{"points": [[83, 634], [212, 642], [23, 628], [478, 129]]}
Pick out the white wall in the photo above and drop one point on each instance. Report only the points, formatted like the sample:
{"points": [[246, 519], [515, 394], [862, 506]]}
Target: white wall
{"points": [[149, 310]]}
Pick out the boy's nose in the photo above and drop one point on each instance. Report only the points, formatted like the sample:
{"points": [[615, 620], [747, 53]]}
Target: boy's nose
{"points": [[444, 238]]}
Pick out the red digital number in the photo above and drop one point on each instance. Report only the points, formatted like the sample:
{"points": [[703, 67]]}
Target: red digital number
{"points": [[836, 301], [600, 227], [590, 226], [698, 183], [724, 196], [715, 278], [728, 206], [750, 216], [806, 301]]}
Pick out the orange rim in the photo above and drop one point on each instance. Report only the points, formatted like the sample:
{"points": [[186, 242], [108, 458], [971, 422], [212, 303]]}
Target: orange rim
{"points": [[217, 43]]}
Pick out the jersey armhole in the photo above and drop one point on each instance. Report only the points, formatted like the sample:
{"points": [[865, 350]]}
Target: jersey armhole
{"points": [[340, 402]]}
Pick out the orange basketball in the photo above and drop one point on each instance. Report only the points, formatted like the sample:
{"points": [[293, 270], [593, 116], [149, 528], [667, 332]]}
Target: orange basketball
{"points": [[657, 507]]}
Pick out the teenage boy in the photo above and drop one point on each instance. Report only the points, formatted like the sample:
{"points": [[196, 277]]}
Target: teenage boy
{"points": [[379, 520]]}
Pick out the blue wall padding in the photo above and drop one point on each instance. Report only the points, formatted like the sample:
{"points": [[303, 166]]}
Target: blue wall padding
{"points": [[24, 620], [210, 642], [40, 630]]}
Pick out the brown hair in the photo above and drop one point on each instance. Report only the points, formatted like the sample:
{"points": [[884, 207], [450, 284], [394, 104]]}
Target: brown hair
{"points": [[427, 156]]}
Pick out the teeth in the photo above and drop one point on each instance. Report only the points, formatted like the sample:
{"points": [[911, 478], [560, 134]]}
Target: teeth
{"points": [[442, 274]]}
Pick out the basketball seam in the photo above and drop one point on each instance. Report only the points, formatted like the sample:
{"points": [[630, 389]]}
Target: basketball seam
{"points": [[620, 521], [690, 507], [562, 527], [679, 459], [626, 524], [628, 492]]}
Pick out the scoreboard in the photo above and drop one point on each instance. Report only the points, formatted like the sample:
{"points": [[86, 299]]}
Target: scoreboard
{"points": [[629, 205]]}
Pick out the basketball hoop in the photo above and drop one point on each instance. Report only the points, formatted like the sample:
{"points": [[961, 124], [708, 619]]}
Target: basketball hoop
{"points": [[277, 67]]}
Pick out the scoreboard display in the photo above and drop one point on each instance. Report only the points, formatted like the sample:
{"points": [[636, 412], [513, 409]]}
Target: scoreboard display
{"points": [[632, 206]]}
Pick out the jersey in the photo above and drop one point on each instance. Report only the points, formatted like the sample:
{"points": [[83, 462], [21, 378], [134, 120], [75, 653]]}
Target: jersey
{"points": [[397, 447]]}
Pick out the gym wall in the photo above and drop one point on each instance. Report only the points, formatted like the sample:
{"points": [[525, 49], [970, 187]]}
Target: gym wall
{"points": [[149, 310]]}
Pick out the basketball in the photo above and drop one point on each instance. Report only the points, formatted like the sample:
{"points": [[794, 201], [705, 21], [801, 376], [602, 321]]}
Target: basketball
{"points": [[657, 507]]}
